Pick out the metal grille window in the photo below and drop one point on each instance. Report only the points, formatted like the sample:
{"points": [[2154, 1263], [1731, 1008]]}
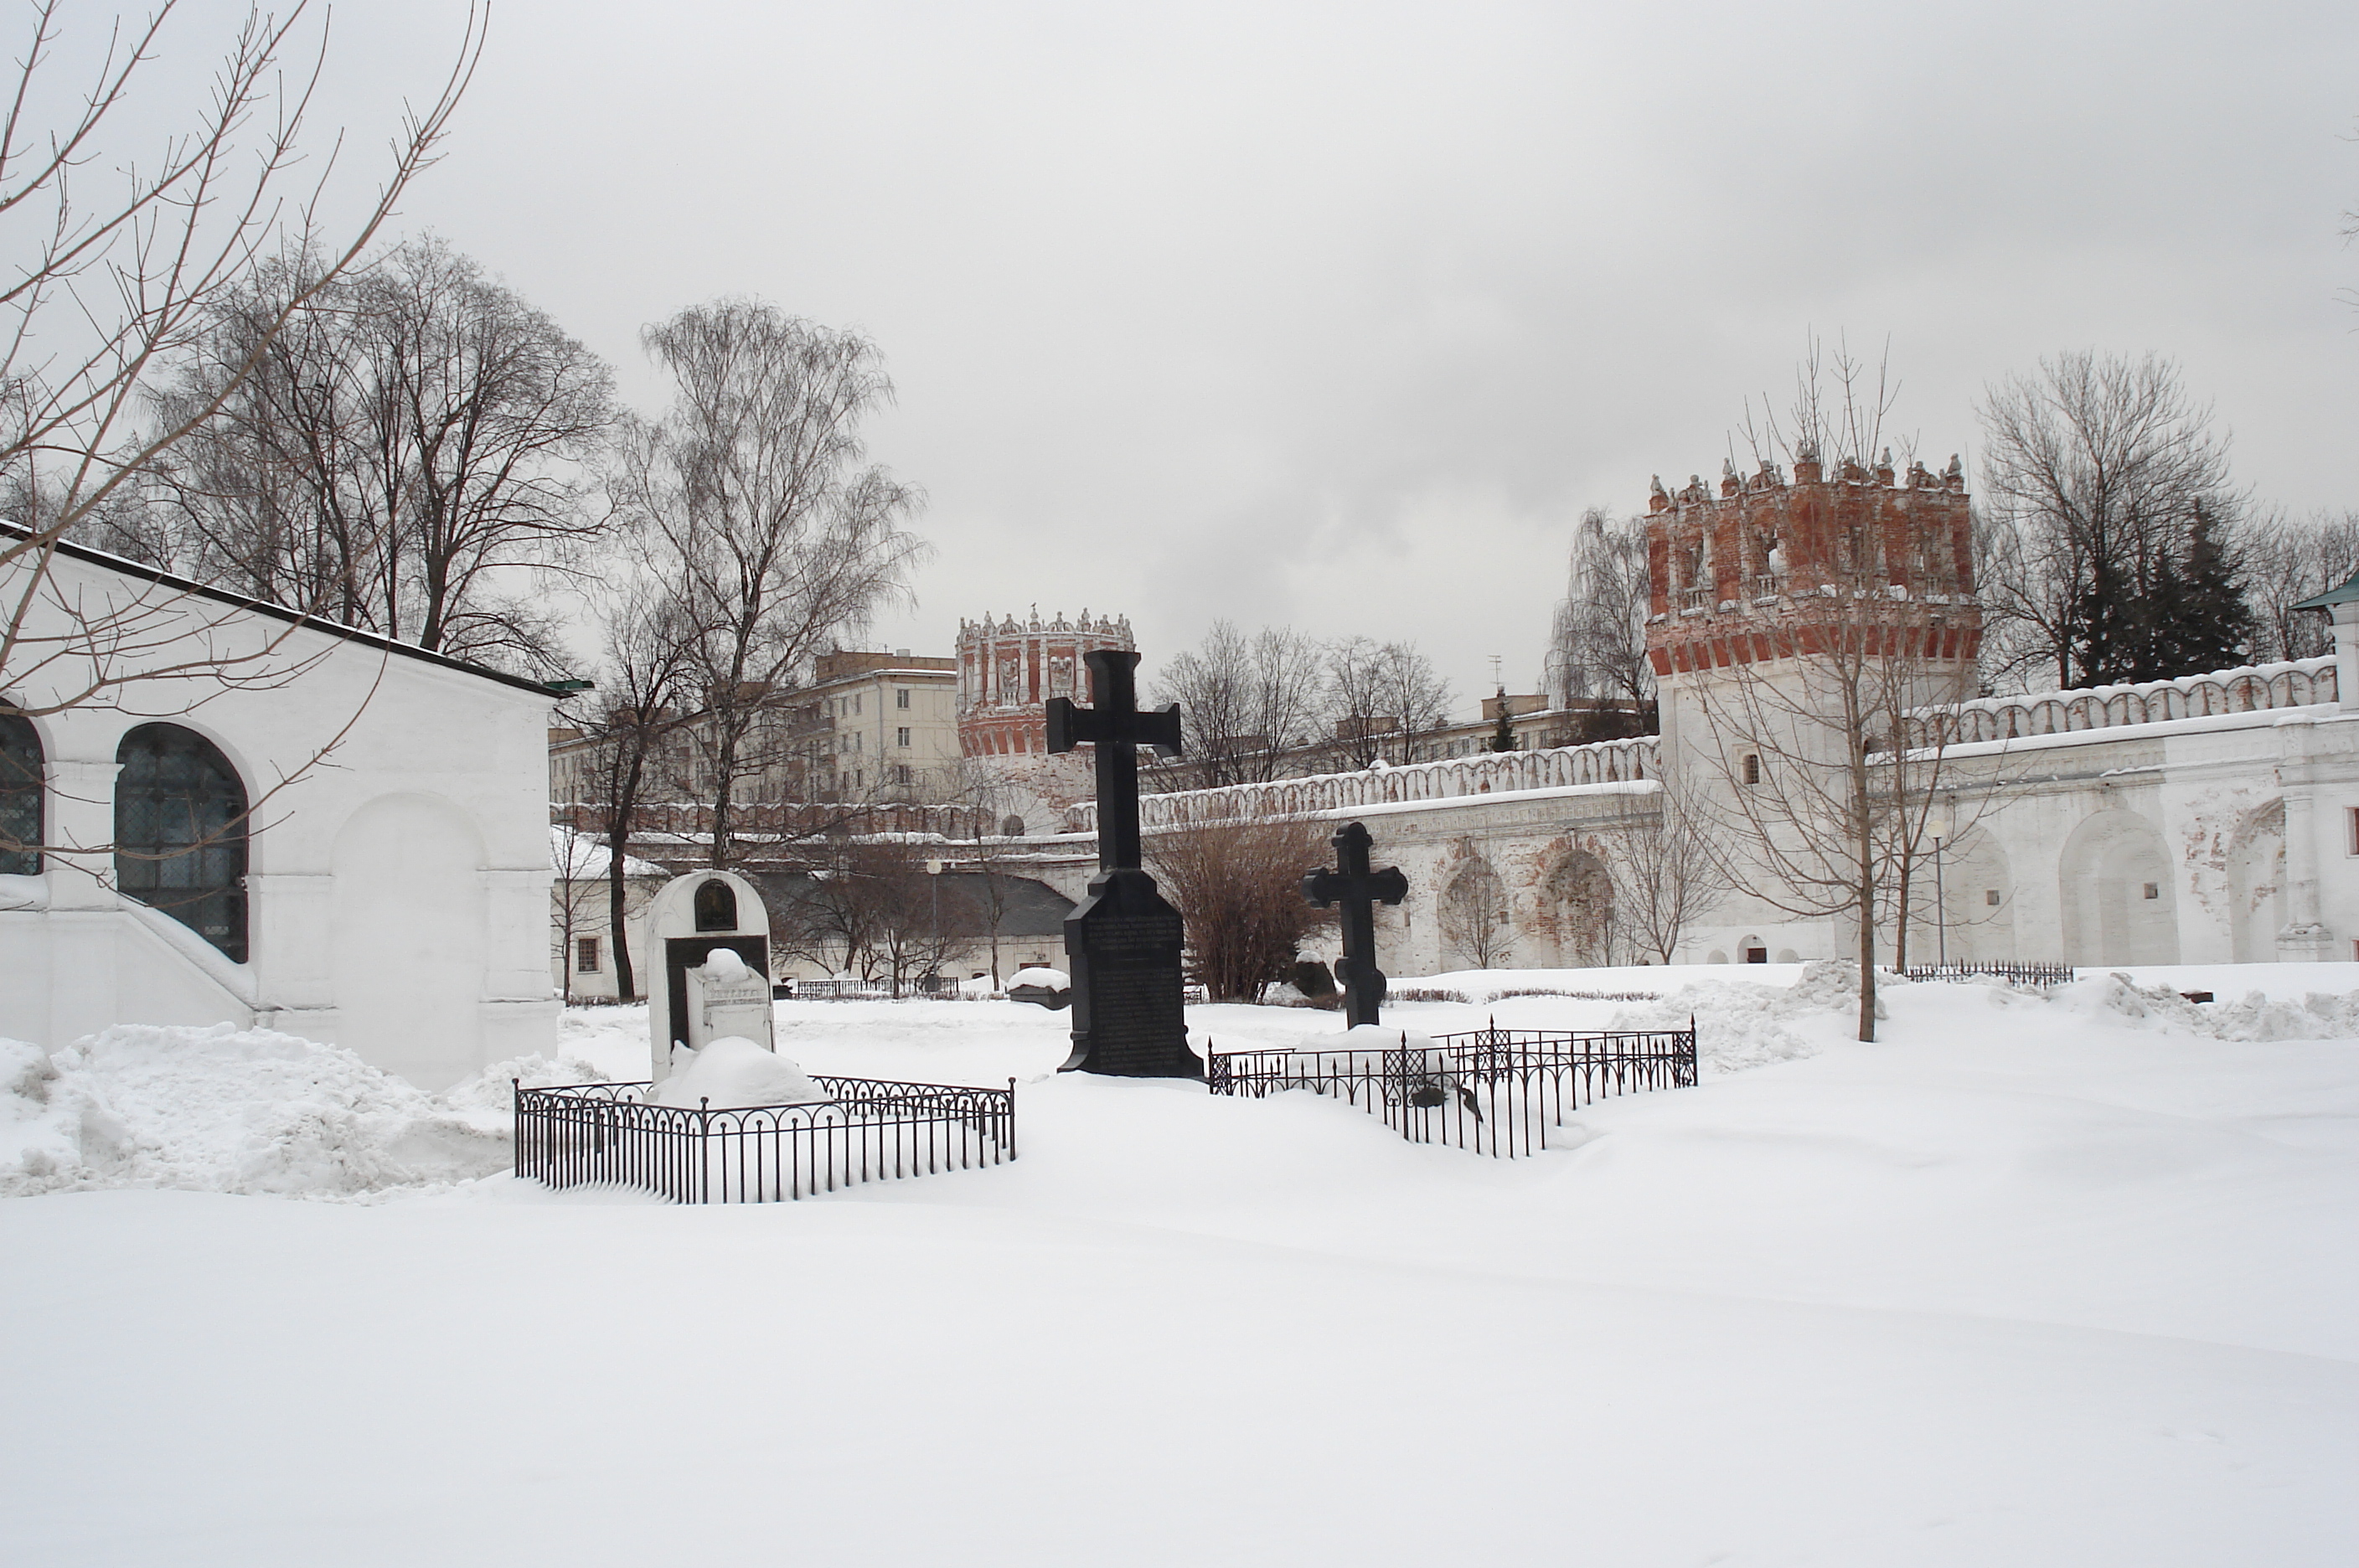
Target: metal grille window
{"points": [[179, 832], [20, 797], [585, 955]]}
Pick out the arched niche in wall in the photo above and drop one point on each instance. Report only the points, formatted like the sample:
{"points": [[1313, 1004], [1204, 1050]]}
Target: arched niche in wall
{"points": [[2257, 873], [1975, 903], [1577, 910], [408, 918], [2119, 899], [22, 794], [180, 833], [1472, 912]]}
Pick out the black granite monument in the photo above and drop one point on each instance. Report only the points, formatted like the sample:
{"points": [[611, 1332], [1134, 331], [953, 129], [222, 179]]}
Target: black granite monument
{"points": [[1357, 888], [1122, 942]]}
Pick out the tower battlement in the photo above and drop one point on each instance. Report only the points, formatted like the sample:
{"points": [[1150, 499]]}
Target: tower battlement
{"points": [[1768, 555]]}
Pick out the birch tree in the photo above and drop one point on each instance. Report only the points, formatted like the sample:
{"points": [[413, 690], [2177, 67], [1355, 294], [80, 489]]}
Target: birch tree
{"points": [[752, 498]]}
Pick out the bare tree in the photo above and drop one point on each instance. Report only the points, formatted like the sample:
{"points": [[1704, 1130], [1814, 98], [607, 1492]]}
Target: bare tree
{"points": [[1667, 874], [750, 498], [636, 718], [407, 445], [2286, 560], [1474, 916], [2097, 467], [1251, 702], [1383, 699], [116, 276], [1818, 790], [1238, 886], [1597, 646]]}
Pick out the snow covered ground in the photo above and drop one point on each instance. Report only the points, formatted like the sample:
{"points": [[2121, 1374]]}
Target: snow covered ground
{"points": [[2066, 1281]]}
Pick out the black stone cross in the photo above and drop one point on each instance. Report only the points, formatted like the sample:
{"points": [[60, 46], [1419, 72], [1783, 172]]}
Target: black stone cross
{"points": [[1357, 888], [1114, 723], [1124, 942]]}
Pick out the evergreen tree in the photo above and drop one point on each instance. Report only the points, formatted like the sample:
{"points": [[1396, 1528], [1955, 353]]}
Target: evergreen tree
{"points": [[2201, 619], [1503, 734]]}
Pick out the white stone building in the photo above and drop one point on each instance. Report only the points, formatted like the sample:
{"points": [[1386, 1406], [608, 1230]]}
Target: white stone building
{"points": [[330, 833]]}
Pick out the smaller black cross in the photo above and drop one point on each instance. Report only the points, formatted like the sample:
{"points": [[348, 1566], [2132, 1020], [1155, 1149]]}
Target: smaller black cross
{"points": [[1357, 888], [1115, 725]]}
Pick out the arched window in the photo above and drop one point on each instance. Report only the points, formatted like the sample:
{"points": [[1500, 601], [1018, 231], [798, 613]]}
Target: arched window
{"points": [[20, 797], [179, 832]]}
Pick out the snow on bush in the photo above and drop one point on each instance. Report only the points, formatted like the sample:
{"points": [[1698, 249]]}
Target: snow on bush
{"points": [[228, 1110]]}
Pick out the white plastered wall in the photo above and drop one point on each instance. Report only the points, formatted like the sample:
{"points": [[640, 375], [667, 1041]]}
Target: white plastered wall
{"points": [[440, 773]]}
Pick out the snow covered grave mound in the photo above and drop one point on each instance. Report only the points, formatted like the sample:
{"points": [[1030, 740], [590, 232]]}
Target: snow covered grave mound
{"points": [[224, 1110], [735, 1074]]}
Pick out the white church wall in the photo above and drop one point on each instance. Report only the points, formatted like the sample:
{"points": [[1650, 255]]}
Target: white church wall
{"points": [[466, 751]]}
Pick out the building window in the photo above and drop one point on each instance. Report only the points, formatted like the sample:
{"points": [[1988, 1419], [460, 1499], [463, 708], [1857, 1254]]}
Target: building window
{"points": [[1990, 896], [901, 773], [1752, 767], [20, 797], [855, 702], [179, 832], [2153, 891], [2353, 815], [901, 735], [901, 700], [585, 955]]}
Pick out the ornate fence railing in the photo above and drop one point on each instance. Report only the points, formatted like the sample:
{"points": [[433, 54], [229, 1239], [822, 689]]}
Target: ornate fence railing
{"points": [[865, 990], [867, 1130], [1490, 1090], [2021, 974]]}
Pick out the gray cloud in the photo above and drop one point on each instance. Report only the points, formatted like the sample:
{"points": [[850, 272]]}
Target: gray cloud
{"points": [[1338, 315]]}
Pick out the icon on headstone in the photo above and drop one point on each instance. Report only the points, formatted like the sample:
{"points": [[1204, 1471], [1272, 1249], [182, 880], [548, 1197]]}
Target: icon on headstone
{"points": [[1358, 889], [1123, 944], [690, 918]]}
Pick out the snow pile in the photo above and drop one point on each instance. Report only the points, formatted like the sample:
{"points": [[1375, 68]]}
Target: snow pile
{"points": [[1739, 1025], [1046, 979], [2319, 1014], [226, 1110], [732, 1074]]}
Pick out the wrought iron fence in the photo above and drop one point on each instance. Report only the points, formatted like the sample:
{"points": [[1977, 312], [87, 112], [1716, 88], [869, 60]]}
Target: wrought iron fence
{"points": [[864, 990], [2018, 974], [1490, 1090], [867, 1130]]}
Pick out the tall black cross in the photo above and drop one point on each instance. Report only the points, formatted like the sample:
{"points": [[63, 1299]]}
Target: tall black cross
{"points": [[1115, 725], [1357, 888]]}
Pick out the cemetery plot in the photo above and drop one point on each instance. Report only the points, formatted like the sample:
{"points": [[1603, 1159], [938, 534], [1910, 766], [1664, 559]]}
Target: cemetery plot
{"points": [[866, 1130], [1489, 1091]]}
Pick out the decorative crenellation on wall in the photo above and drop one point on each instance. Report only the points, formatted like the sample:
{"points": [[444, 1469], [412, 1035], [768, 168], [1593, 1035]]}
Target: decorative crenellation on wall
{"points": [[2297, 683], [1492, 773]]}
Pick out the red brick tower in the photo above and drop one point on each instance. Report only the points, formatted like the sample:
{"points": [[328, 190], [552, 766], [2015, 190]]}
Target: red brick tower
{"points": [[1009, 669], [1766, 570]]}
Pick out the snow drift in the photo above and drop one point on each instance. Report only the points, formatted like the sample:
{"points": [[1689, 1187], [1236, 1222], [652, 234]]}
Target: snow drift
{"points": [[226, 1110]]}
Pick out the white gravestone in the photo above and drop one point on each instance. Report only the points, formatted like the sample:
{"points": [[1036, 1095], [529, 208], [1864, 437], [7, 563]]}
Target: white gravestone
{"points": [[725, 998], [692, 917]]}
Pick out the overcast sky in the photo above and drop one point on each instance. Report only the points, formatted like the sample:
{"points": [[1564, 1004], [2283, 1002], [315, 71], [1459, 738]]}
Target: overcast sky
{"points": [[1338, 317]]}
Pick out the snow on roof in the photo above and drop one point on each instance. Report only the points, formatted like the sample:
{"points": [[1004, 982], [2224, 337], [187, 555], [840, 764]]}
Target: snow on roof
{"points": [[588, 859]]}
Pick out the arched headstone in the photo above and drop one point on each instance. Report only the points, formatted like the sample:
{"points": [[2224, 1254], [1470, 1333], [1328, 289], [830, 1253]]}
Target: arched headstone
{"points": [[689, 917]]}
